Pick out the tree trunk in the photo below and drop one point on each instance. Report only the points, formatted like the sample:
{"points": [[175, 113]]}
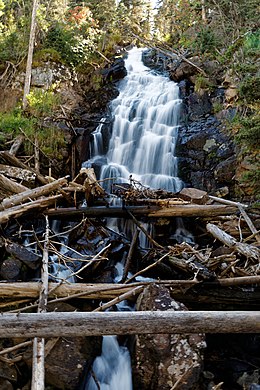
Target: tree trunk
{"points": [[245, 249], [11, 159], [28, 74], [109, 291], [18, 211], [144, 322], [187, 210], [8, 185], [33, 194]]}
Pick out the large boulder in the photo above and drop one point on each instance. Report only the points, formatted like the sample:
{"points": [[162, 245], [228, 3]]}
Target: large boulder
{"points": [[162, 361]]}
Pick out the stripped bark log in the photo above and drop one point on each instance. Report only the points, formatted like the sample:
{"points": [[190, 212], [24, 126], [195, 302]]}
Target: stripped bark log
{"points": [[108, 291], [11, 186], [186, 210], [38, 371], [24, 175], [130, 255], [92, 188], [14, 161], [147, 322], [227, 201], [245, 249], [149, 237], [249, 223], [18, 211], [135, 291], [34, 193]]}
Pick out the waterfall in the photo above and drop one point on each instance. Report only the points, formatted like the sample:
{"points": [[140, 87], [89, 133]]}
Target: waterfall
{"points": [[142, 145], [144, 131]]}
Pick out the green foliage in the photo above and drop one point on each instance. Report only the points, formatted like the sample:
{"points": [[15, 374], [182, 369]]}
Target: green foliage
{"points": [[249, 131], [12, 47], [74, 43], [252, 43], [205, 41], [250, 89], [62, 40], [42, 103], [14, 29], [51, 140], [202, 83], [44, 55], [13, 122]]}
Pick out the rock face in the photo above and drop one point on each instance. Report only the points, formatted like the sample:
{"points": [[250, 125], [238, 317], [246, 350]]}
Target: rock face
{"points": [[206, 155], [163, 361], [206, 151]]}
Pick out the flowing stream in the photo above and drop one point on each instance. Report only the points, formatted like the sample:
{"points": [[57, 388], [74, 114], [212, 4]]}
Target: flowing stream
{"points": [[144, 130], [142, 145]]}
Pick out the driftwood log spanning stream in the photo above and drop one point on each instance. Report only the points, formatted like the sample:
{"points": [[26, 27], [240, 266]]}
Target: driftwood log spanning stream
{"points": [[187, 210], [107, 290], [90, 324]]}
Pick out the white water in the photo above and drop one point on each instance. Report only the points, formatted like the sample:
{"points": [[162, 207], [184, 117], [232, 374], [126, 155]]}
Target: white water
{"points": [[113, 368], [144, 131], [142, 145]]}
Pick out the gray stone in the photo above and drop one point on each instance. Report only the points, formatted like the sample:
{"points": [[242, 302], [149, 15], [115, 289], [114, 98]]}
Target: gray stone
{"points": [[225, 170], [163, 361]]}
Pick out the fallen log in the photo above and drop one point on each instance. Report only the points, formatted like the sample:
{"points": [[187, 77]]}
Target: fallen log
{"points": [[10, 186], [33, 194], [227, 201], [11, 159], [21, 174], [93, 190], [77, 324], [245, 249], [186, 210], [107, 290], [18, 211], [249, 223]]}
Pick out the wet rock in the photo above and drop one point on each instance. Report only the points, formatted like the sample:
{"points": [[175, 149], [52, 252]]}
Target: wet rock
{"points": [[225, 171], [202, 146], [248, 380], [10, 269], [5, 384], [82, 143], [116, 71], [199, 105], [32, 260], [67, 363], [163, 361], [194, 195], [182, 71], [8, 373]]}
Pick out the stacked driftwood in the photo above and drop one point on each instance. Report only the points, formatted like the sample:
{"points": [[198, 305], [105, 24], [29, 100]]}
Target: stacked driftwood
{"points": [[230, 258]]}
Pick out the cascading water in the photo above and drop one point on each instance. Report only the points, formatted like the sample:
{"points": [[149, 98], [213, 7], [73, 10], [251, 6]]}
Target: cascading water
{"points": [[144, 131], [142, 147]]}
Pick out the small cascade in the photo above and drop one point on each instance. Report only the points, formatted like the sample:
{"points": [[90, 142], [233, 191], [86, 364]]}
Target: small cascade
{"points": [[97, 147], [113, 368]]}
